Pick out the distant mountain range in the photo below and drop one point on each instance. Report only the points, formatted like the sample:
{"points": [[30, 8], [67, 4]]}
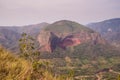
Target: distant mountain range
{"points": [[62, 31], [109, 29], [29, 29], [10, 35], [9, 38]]}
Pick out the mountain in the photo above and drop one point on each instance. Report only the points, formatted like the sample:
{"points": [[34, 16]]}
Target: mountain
{"points": [[109, 29], [10, 35], [33, 29], [65, 34], [9, 38]]}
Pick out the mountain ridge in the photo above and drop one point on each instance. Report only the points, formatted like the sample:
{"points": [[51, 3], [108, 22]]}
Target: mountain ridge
{"points": [[10, 35], [109, 29]]}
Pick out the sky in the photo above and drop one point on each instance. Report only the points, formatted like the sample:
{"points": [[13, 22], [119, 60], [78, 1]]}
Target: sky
{"points": [[25, 12]]}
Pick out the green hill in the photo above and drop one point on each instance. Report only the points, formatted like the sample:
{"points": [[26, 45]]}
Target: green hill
{"points": [[66, 26]]}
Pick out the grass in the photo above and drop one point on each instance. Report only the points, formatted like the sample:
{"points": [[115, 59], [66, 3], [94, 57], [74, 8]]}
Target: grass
{"points": [[15, 68], [12, 67]]}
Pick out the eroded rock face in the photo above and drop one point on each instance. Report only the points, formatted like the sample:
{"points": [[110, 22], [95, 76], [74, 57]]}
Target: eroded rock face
{"points": [[70, 40], [50, 40]]}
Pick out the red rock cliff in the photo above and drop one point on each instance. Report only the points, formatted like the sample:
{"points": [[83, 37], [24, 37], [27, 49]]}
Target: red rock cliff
{"points": [[50, 40]]}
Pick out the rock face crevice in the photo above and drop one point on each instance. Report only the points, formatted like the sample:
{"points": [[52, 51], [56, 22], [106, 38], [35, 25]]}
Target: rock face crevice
{"points": [[49, 40]]}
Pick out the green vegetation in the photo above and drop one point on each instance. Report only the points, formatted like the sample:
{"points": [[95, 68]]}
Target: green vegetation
{"points": [[27, 48], [86, 60], [67, 27], [12, 67], [83, 62], [40, 68], [27, 66]]}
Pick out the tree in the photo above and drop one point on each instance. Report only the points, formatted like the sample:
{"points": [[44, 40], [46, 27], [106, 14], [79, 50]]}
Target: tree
{"points": [[27, 48]]}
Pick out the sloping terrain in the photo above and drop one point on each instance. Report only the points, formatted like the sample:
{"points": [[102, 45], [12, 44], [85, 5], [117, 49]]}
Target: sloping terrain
{"points": [[65, 34], [109, 29], [73, 47], [9, 36]]}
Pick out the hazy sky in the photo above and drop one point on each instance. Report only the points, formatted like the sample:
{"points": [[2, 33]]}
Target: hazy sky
{"points": [[24, 12]]}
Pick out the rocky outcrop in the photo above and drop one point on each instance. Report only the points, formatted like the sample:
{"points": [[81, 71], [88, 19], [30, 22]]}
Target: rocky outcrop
{"points": [[70, 40], [65, 34], [50, 40]]}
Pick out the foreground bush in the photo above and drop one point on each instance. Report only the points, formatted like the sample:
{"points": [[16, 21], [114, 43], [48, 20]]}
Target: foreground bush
{"points": [[12, 67]]}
